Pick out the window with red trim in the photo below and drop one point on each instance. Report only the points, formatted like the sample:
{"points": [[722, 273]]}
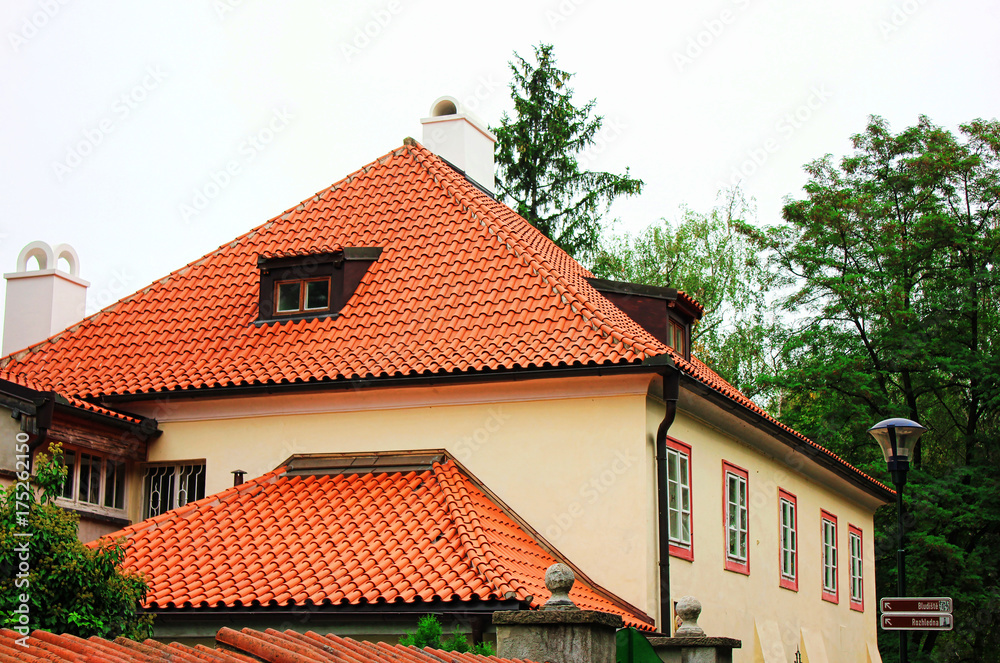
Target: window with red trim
{"points": [[857, 568], [736, 518], [829, 526], [788, 536], [679, 499]]}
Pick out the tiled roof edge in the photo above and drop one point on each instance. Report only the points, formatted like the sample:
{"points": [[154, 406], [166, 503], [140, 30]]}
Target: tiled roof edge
{"points": [[479, 552]]}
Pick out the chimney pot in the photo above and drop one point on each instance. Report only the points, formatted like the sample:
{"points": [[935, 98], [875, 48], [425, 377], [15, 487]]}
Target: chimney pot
{"points": [[455, 134]]}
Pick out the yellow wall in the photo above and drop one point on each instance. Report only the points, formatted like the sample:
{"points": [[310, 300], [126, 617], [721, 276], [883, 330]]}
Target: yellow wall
{"points": [[570, 465], [771, 621], [575, 459]]}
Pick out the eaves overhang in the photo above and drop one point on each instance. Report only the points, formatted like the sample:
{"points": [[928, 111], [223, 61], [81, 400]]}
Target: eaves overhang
{"points": [[785, 445], [652, 365]]}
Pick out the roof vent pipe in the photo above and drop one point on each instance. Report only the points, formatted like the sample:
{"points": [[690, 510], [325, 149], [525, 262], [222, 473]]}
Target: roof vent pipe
{"points": [[454, 133], [238, 477]]}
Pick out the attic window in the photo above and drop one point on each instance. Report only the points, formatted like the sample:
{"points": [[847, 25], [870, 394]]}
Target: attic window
{"points": [[312, 285], [677, 337], [302, 295]]}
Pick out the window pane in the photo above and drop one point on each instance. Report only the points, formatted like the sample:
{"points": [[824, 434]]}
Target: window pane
{"points": [[114, 484], [89, 489], [191, 485], [69, 460], [317, 295], [288, 296], [157, 490]]}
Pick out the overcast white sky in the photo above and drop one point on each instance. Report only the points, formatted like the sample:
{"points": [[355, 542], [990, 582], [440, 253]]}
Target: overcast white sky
{"points": [[117, 114]]}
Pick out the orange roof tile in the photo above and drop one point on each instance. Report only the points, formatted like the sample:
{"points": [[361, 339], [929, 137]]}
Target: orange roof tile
{"points": [[245, 646], [460, 276], [353, 539], [463, 284]]}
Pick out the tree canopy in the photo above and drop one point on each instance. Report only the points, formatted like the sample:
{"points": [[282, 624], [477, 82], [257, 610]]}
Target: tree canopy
{"points": [[49, 580], [706, 256], [537, 152], [892, 257]]}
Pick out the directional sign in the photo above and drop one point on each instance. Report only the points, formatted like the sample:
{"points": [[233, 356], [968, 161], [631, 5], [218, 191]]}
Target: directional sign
{"points": [[916, 604], [917, 622]]}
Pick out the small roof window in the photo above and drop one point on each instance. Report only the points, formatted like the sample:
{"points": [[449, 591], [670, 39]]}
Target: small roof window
{"points": [[315, 285]]}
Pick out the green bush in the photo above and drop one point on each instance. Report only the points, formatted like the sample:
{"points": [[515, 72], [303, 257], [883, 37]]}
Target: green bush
{"points": [[429, 634], [49, 580]]}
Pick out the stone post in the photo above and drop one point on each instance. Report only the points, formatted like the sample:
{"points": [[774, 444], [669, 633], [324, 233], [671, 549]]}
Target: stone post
{"points": [[560, 632], [691, 645]]}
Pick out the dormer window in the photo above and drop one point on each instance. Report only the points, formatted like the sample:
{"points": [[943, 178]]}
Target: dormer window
{"points": [[666, 313], [677, 337], [302, 296], [315, 285]]}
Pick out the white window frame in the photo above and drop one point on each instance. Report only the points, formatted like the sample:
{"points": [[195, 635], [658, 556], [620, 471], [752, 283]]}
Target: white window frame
{"points": [[679, 509], [788, 539], [737, 518], [107, 464], [831, 588], [855, 545], [178, 485]]}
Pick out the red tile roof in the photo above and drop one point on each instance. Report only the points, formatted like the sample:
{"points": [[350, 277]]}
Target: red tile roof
{"points": [[246, 646], [349, 540], [463, 284]]}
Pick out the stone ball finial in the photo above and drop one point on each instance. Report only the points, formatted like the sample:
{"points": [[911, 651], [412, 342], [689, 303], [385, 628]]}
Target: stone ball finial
{"points": [[688, 610], [559, 579]]}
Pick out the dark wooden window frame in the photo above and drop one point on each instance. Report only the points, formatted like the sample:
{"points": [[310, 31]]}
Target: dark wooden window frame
{"points": [[344, 269]]}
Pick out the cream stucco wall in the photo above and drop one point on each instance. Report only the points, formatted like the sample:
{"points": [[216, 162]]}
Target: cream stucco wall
{"points": [[773, 622], [575, 459], [571, 457]]}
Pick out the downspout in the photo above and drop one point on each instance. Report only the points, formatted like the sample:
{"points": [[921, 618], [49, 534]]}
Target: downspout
{"points": [[671, 387], [42, 423]]}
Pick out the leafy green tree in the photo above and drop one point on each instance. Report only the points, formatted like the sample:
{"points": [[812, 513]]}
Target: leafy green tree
{"points": [[536, 153], [707, 257], [68, 587], [430, 634], [892, 258]]}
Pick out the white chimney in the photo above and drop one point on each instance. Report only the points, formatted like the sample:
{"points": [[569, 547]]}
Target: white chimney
{"points": [[44, 301], [454, 133]]}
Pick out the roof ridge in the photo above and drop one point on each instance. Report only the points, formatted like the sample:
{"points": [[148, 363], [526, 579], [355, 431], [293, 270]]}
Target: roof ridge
{"points": [[480, 552], [532, 257]]}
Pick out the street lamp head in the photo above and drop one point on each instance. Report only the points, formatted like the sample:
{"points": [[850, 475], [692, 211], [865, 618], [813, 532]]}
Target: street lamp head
{"points": [[898, 438]]}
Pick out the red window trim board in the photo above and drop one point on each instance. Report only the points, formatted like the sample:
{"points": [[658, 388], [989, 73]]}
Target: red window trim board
{"points": [[730, 564], [833, 597], [856, 605], [679, 551], [793, 583]]}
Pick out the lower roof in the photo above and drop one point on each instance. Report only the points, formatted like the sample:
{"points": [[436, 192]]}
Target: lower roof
{"points": [[336, 532], [245, 646]]}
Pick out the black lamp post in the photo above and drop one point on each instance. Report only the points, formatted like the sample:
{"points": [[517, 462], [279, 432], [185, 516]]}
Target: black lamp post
{"points": [[898, 438]]}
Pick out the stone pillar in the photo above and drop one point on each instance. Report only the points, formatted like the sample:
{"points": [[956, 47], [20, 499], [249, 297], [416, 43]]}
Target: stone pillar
{"points": [[691, 644], [560, 632]]}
